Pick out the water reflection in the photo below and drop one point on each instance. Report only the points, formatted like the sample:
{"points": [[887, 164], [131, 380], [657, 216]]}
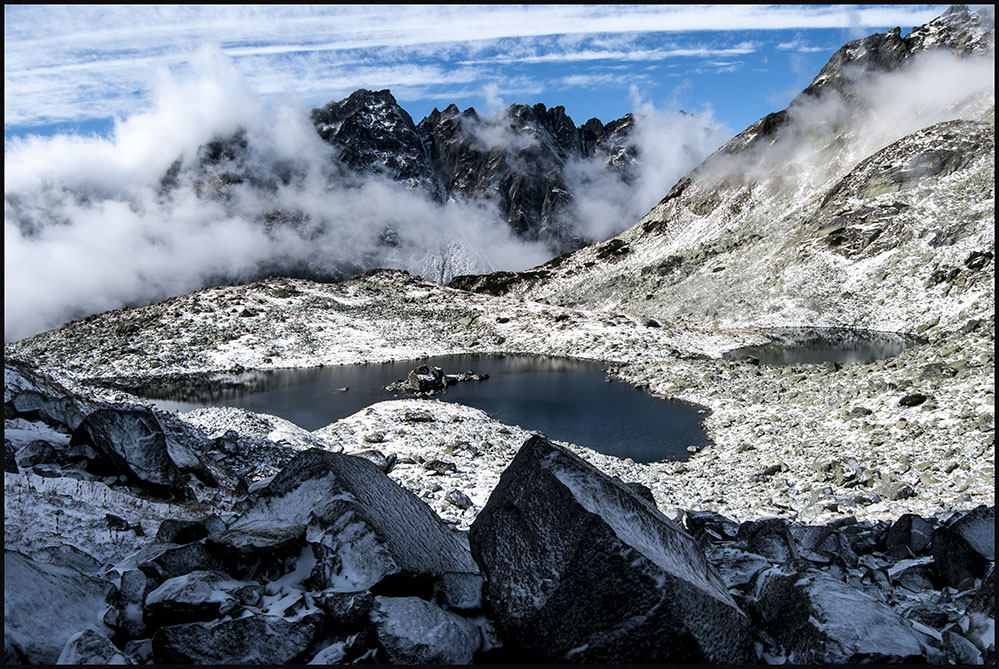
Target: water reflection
{"points": [[566, 399], [790, 346]]}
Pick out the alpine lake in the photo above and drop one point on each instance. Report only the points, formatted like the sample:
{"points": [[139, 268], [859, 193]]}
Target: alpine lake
{"points": [[567, 399]]}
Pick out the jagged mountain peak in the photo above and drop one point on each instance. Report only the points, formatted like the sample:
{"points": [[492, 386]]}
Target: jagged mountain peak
{"points": [[958, 30], [850, 208]]}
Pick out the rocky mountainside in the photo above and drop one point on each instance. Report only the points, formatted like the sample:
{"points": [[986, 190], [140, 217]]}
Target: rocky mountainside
{"points": [[865, 203], [516, 159]]}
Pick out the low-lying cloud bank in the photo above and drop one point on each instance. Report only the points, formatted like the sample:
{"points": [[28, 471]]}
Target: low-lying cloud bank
{"points": [[92, 223]]}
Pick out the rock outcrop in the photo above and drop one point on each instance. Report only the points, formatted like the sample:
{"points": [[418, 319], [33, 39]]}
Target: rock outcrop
{"points": [[580, 568]]}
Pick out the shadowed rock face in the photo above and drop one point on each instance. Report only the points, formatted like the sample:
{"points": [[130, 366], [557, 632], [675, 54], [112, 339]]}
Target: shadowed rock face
{"points": [[518, 161], [131, 441], [580, 568], [965, 547], [363, 527], [820, 620]]}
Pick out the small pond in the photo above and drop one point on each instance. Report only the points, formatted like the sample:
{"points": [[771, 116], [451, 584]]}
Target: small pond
{"points": [[790, 346], [568, 400]]}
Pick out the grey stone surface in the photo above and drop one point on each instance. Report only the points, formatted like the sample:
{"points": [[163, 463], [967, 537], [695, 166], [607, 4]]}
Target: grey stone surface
{"points": [[579, 568]]}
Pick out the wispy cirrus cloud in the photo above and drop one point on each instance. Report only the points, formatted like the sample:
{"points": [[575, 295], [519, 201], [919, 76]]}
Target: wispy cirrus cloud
{"points": [[801, 46], [71, 62]]}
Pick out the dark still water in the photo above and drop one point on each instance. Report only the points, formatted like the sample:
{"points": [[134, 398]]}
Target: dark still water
{"points": [[569, 400], [790, 346]]}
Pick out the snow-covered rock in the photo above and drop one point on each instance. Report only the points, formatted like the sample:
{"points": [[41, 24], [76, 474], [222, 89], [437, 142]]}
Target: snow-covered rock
{"points": [[90, 647], [580, 568], [816, 619], [133, 443], [414, 631], [45, 605]]}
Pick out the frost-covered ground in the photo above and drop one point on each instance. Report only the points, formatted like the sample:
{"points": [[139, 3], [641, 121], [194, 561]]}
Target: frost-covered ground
{"points": [[785, 440]]}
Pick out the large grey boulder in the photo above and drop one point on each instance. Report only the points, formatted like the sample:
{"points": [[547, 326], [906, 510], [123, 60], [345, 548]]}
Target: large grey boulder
{"points": [[413, 631], [47, 604], [363, 528], [964, 547], [132, 442], [255, 639], [815, 619], [60, 412], [90, 647], [580, 568], [199, 595]]}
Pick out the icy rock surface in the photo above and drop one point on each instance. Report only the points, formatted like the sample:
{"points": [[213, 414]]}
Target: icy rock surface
{"points": [[354, 511], [414, 631], [255, 639], [820, 620], [131, 441], [45, 605], [90, 647], [580, 568]]}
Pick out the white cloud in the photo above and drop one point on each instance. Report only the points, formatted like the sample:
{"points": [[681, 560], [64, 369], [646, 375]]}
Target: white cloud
{"points": [[90, 61]]}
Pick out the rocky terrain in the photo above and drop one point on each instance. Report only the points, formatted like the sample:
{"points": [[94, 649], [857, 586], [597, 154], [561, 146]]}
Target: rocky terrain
{"points": [[843, 514], [849, 208]]}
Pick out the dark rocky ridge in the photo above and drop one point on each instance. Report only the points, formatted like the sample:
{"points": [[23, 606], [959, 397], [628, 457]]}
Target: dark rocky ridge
{"points": [[516, 160], [447, 155]]}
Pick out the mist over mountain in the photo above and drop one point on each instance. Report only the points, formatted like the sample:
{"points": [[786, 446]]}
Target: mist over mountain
{"points": [[211, 187], [868, 202]]}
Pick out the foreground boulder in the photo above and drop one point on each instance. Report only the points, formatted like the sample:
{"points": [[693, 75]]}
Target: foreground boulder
{"points": [[578, 568], [964, 548], [413, 631], [365, 530], [131, 441], [255, 639], [45, 605], [90, 647], [816, 619]]}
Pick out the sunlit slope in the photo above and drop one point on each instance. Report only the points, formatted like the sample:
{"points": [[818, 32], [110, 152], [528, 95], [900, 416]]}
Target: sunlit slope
{"points": [[869, 202]]}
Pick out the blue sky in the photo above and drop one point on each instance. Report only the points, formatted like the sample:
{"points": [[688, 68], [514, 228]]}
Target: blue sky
{"points": [[73, 69]]}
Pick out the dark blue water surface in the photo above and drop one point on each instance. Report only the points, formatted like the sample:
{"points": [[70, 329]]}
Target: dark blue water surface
{"points": [[568, 400], [788, 346]]}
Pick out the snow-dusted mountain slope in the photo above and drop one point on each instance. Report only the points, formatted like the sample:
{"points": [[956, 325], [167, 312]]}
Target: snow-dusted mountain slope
{"points": [[869, 202]]}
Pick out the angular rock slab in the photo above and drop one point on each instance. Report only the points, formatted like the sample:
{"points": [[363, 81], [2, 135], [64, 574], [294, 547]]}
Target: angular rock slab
{"points": [[256, 639], [966, 546], [579, 568], [363, 526], [819, 620], [413, 631], [132, 442], [47, 604]]}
